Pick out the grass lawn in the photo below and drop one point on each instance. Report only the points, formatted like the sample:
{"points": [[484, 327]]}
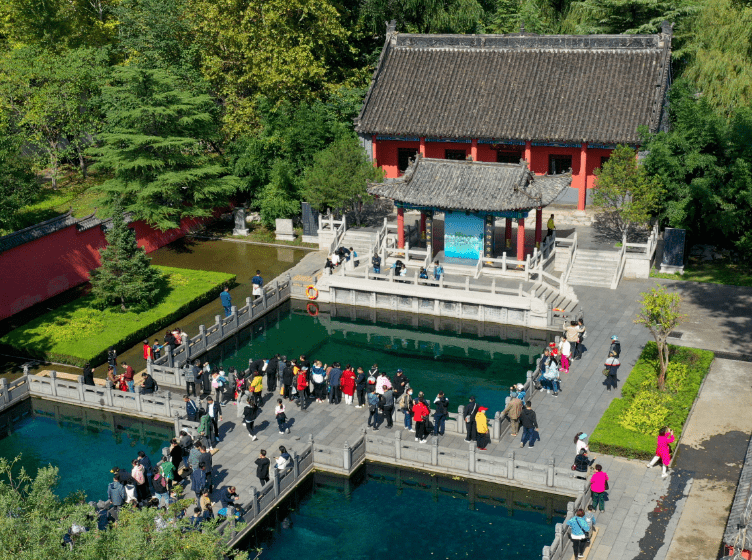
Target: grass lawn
{"points": [[76, 332], [72, 194], [630, 425], [712, 272], [260, 234]]}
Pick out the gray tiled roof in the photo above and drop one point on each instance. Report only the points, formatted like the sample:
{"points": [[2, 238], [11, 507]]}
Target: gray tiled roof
{"points": [[472, 185], [36, 231], [555, 88], [48, 227]]}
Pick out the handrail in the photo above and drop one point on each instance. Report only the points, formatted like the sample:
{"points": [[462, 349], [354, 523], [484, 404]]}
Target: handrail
{"points": [[571, 259], [622, 263]]}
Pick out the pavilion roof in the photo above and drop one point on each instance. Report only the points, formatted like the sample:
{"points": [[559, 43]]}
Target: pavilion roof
{"points": [[520, 86], [472, 185]]}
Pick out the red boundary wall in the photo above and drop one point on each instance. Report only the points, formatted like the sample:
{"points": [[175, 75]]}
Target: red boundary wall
{"points": [[53, 263]]}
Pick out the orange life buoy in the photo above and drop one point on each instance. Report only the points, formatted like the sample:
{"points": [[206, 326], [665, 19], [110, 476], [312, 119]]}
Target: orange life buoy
{"points": [[313, 309], [312, 292]]}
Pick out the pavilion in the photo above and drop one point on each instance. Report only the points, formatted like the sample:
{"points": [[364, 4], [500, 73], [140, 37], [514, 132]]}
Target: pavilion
{"points": [[471, 194], [559, 102]]}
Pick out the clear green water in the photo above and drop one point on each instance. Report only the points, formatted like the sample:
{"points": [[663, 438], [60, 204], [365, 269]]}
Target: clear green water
{"points": [[85, 444], [459, 364], [385, 512]]}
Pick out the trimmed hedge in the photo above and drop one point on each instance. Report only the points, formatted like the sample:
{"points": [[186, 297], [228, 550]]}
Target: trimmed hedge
{"points": [[76, 332], [611, 437]]}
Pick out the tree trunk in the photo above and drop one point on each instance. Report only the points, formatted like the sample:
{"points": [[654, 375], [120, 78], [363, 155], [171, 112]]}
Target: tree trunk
{"points": [[123, 308], [82, 162], [662, 364]]}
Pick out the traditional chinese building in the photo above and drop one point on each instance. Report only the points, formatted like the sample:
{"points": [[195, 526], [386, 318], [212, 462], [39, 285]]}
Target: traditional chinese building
{"points": [[471, 195], [559, 102]]}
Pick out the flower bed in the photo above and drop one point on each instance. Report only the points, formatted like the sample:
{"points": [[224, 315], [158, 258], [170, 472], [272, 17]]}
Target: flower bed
{"points": [[630, 424]]}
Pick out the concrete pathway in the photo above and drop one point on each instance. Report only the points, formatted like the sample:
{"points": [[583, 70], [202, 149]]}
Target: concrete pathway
{"points": [[711, 453]]}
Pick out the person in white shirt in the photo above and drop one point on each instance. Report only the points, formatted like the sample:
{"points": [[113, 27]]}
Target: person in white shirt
{"points": [[580, 443]]}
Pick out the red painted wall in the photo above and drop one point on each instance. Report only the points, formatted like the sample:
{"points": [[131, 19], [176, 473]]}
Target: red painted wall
{"points": [[386, 157], [62, 260]]}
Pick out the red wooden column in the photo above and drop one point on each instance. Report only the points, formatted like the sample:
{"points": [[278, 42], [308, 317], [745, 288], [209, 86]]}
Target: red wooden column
{"points": [[474, 149], [508, 233], [521, 239], [423, 146], [583, 178], [528, 154], [373, 151], [538, 225], [400, 228]]}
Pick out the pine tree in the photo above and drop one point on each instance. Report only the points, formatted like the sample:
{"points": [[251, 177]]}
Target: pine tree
{"points": [[156, 144], [126, 277]]}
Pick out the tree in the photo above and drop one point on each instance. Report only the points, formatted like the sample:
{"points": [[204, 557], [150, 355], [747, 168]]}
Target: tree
{"points": [[277, 49], [623, 16], [338, 177], [34, 521], [53, 102], [425, 16], [280, 197], [625, 191], [18, 186], [126, 277], [156, 145], [718, 54], [660, 315], [705, 162]]}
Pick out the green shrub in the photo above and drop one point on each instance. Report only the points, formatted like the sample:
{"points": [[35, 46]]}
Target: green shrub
{"points": [[630, 424], [76, 332]]}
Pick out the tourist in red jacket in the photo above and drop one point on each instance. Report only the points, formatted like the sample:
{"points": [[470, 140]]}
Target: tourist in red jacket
{"points": [[420, 415], [347, 382], [301, 384]]}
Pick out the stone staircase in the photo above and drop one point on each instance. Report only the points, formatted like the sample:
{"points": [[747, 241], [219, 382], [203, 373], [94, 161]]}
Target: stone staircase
{"points": [[556, 300], [362, 240], [594, 268]]}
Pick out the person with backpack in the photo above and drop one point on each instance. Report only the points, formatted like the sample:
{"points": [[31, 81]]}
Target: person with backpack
{"points": [[471, 409], [257, 386], [205, 429], [376, 262], [371, 381], [318, 376], [138, 473], [578, 533], [287, 379], [190, 372], [167, 471], [160, 486], [374, 401], [198, 479], [116, 492], [270, 368], [387, 405], [405, 404]]}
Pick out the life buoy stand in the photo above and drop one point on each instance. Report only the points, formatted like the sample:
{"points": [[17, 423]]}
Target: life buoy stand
{"points": [[313, 309], [312, 292]]}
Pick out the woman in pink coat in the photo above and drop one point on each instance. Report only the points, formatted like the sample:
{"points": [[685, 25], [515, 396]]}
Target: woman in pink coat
{"points": [[662, 449]]}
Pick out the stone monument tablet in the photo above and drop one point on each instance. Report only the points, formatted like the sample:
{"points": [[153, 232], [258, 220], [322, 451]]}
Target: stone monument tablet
{"points": [[284, 231], [310, 223], [673, 250], [239, 219]]}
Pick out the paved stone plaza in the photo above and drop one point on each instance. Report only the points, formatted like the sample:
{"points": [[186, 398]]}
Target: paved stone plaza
{"points": [[642, 511]]}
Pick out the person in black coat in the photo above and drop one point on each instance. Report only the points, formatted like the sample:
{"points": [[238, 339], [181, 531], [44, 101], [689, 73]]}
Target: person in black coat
{"points": [[262, 467], [271, 373], [360, 387], [581, 461], [471, 409], [88, 374], [615, 348], [249, 416], [287, 378]]}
